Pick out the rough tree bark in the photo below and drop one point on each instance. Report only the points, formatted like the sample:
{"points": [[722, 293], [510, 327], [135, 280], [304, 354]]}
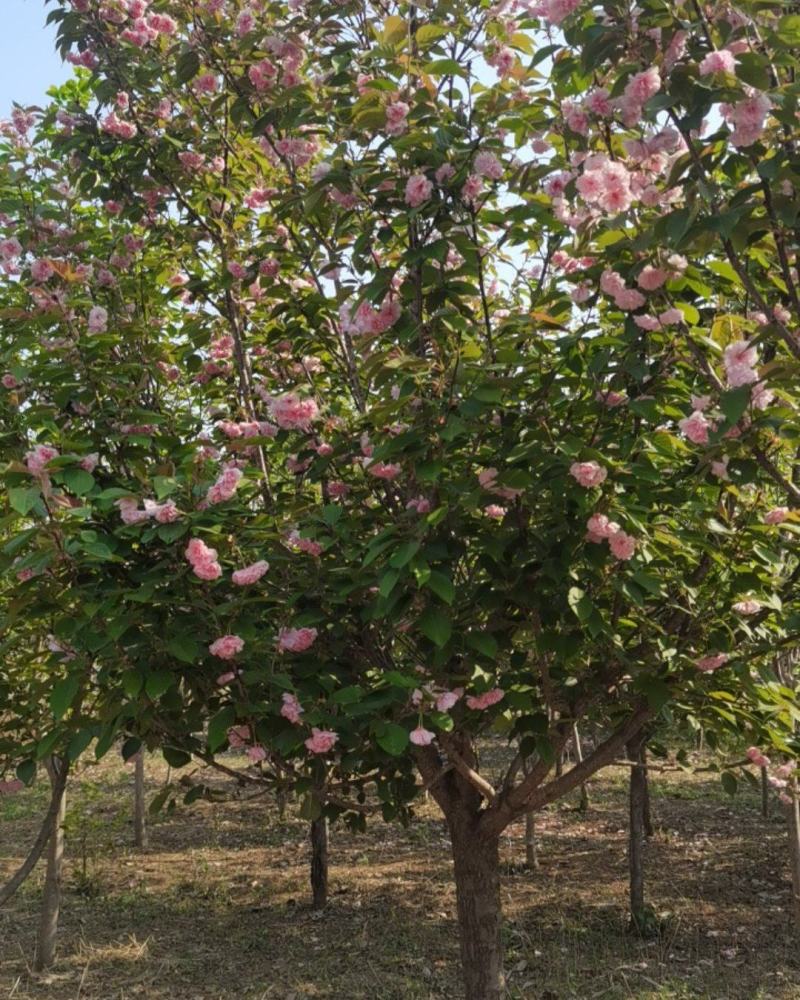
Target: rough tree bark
{"points": [[139, 803], [583, 802], [636, 833], [319, 862], [51, 896], [476, 863], [531, 853], [764, 793]]}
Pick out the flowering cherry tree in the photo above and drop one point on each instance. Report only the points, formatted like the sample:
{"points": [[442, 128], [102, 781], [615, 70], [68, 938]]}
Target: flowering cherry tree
{"points": [[380, 375]]}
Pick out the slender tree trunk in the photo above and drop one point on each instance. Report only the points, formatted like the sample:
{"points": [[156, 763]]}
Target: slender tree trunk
{"points": [[636, 835], [647, 816], [319, 862], [583, 803], [764, 793], [51, 896], [476, 865], [793, 817], [139, 804], [531, 853]]}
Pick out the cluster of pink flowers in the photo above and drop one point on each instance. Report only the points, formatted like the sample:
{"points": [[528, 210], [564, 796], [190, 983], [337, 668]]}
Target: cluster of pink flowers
{"points": [[588, 474], [748, 606], [250, 574], [710, 663], [131, 513], [418, 190], [605, 183], [368, 321], [740, 359], [262, 75], [757, 757], [480, 702], [203, 560], [298, 544], [384, 470], [36, 460], [114, 125], [488, 481], [696, 427], [554, 11], [225, 486], [321, 740], [748, 118], [397, 117], [720, 61], [226, 647], [98, 320], [600, 529], [291, 708], [638, 90], [776, 516], [296, 640], [625, 298], [292, 413]]}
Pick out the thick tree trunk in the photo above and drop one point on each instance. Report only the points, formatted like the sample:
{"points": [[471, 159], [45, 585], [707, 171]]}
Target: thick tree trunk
{"points": [[319, 862], [764, 793], [636, 836], [476, 868], [51, 896], [139, 804], [531, 853], [793, 818]]}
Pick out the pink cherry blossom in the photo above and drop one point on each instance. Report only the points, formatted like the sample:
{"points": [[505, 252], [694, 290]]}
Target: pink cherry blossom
{"points": [[447, 699], [495, 511], [396, 115], [421, 737], [226, 647], [321, 740], [721, 61], [296, 640], [418, 190], [710, 663], [622, 545], [747, 607], [203, 560], [291, 708], [651, 278], [37, 459], [383, 470], [588, 474], [757, 757], [696, 427], [776, 516], [480, 702], [291, 412], [250, 574]]}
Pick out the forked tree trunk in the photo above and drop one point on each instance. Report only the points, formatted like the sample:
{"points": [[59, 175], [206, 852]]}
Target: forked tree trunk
{"points": [[476, 865], [51, 896], [636, 835], [139, 804], [583, 803], [531, 853], [793, 819], [319, 862]]}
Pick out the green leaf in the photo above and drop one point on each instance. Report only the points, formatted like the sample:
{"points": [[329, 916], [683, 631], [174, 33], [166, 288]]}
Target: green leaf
{"points": [[62, 696], [404, 554], [442, 586], [388, 580], [729, 782], [734, 402], [788, 30], [23, 498], [444, 67], [157, 683], [430, 33], [400, 680], [483, 643], [184, 648], [131, 747], [392, 738], [218, 727], [78, 481], [187, 67], [132, 683], [310, 808], [347, 695], [436, 626], [175, 757], [26, 771], [724, 270], [580, 604], [79, 742]]}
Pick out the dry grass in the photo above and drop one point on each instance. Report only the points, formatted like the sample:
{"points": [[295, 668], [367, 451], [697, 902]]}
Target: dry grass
{"points": [[217, 907]]}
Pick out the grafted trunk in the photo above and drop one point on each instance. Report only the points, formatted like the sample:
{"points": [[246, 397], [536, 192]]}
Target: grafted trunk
{"points": [[319, 862], [139, 804], [531, 852], [636, 836], [476, 869], [51, 896], [793, 820]]}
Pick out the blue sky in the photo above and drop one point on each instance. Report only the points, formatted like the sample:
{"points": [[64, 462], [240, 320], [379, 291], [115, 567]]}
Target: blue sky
{"points": [[27, 54]]}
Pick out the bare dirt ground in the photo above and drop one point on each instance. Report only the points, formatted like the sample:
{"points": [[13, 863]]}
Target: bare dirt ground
{"points": [[217, 907]]}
